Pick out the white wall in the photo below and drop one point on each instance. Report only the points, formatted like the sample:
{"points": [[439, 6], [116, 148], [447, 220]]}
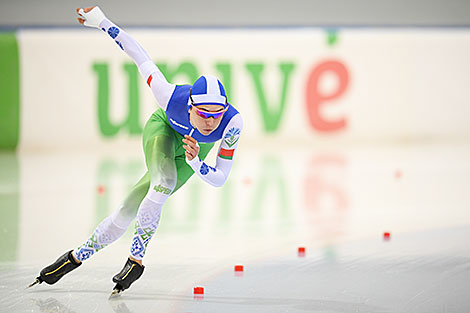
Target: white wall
{"points": [[242, 12], [401, 84]]}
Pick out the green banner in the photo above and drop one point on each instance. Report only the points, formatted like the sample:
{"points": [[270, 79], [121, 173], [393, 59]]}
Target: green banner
{"points": [[9, 92], [9, 206]]}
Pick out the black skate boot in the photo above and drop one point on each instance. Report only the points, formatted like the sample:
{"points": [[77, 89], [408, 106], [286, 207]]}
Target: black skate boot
{"points": [[52, 273], [129, 274]]}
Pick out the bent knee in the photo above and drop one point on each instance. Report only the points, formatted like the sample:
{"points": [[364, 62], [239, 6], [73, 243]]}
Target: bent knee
{"points": [[161, 189]]}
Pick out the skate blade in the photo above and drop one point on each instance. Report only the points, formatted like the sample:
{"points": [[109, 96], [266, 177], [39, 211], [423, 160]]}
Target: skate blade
{"points": [[114, 294], [33, 283]]}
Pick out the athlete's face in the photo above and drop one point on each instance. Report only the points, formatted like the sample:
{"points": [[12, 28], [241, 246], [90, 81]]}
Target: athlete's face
{"points": [[205, 125]]}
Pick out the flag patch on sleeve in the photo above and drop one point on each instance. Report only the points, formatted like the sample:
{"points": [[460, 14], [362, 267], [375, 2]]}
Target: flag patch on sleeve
{"points": [[226, 154], [149, 80]]}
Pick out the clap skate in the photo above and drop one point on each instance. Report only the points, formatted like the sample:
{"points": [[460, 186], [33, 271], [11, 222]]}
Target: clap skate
{"points": [[52, 273], [129, 274]]}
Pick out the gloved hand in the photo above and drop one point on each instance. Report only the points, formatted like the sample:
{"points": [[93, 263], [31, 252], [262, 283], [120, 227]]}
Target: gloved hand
{"points": [[91, 17]]}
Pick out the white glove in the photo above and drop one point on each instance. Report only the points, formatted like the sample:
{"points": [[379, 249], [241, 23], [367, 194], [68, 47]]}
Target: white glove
{"points": [[92, 18]]}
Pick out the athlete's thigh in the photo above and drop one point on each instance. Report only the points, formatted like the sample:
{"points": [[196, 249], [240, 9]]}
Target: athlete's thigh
{"points": [[132, 202], [184, 172], [159, 143], [160, 161]]}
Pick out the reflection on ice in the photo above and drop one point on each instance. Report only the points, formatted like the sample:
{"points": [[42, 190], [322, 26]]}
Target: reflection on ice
{"points": [[119, 306], [335, 203], [51, 305]]}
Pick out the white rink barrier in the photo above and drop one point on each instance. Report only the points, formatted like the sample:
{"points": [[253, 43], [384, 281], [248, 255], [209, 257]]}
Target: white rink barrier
{"points": [[296, 85]]}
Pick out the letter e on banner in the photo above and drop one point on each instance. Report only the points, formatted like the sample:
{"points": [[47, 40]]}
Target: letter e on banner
{"points": [[316, 98]]}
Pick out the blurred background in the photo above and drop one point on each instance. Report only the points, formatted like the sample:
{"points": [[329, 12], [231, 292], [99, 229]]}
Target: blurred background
{"points": [[356, 123], [245, 13]]}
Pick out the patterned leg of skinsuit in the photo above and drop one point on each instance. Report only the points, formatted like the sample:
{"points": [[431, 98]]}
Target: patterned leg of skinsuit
{"points": [[167, 172]]}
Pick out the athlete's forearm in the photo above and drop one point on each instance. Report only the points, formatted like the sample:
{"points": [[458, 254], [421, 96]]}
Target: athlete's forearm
{"points": [[94, 17], [216, 176], [128, 44], [213, 176], [161, 88]]}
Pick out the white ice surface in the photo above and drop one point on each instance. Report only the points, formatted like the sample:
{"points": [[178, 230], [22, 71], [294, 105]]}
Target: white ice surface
{"points": [[336, 203]]}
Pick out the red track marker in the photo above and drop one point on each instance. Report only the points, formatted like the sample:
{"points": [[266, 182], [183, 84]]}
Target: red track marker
{"points": [[198, 290], [386, 236]]}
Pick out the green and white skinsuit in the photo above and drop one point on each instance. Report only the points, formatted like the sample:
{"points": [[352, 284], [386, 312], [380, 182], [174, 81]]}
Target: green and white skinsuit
{"points": [[167, 167]]}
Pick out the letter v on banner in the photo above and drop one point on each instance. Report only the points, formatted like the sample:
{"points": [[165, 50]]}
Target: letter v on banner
{"points": [[271, 116]]}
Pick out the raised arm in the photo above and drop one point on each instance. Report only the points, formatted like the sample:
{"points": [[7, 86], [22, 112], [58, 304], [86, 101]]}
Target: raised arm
{"points": [[218, 175], [161, 88]]}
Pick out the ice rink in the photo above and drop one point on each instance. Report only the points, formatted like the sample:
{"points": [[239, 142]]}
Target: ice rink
{"points": [[337, 202]]}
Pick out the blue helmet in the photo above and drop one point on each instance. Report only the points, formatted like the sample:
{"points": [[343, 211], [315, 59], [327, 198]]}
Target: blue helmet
{"points": [[208, 89]]}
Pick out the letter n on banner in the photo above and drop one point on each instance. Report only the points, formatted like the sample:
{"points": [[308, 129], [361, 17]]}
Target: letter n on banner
{"points": [[131, 123]]}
